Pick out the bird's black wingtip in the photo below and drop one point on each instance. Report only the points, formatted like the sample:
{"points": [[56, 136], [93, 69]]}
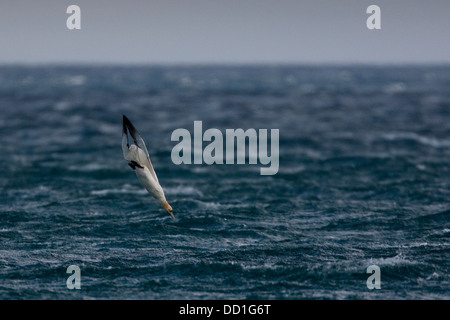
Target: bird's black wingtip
{"points": [[125, 122], [127, 125]]}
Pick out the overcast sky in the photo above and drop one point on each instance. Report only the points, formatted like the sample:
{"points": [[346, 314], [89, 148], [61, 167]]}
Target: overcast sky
{"points": [[225, 31]]}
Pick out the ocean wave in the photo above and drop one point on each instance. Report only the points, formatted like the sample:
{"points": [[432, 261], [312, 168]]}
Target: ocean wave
{"points": [[126, 189], [183, 190], [89, 167], [396, 260], [428, 141], [395, 87], [75, 80]]}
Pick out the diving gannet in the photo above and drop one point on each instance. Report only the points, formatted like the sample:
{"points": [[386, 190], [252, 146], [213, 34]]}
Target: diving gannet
{"points": [[139, 160]]}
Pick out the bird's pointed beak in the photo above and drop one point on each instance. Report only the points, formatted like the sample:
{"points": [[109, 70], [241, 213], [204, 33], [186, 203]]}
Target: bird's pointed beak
{"points": [[168, 208]]}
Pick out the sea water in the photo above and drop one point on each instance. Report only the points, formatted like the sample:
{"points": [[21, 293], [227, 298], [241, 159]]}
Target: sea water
{"points": [[363, 180]]}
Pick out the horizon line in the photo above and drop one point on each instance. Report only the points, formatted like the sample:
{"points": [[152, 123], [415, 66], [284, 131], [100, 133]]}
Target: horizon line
{"points": [[221, 63]]}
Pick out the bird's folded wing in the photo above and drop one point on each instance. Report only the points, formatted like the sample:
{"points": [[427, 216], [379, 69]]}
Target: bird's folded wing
{"points": [[136, 151]]}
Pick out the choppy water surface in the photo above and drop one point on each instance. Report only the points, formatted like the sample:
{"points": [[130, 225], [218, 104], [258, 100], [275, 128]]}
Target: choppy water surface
{"points": [[364, 180]]}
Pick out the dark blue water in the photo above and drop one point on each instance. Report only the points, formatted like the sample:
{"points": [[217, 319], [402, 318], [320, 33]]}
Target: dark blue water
{"points": [[364, 180]]}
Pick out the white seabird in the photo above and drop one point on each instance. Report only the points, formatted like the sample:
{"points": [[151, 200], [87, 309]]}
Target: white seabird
{"points": [[139, 160]]}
